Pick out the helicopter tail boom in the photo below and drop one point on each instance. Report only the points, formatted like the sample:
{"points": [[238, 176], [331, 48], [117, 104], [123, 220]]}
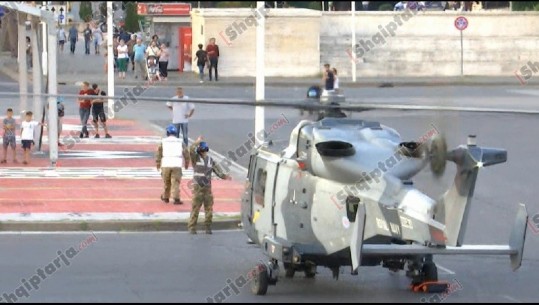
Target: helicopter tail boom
{"points": [[515, 248]]}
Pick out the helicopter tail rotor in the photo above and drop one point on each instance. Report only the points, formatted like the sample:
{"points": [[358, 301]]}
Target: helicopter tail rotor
{"points": [[438, 155]]}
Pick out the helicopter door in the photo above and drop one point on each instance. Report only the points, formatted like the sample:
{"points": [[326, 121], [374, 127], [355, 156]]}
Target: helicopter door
{"points": [[263, 193]]}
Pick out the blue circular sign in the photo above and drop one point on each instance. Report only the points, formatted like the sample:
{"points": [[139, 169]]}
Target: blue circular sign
{"points": [[61, 17], [461, 23]]}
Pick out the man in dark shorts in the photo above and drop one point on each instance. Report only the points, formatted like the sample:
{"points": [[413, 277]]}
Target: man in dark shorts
{"points": [[9, 138], [28, 127], [98, 112]]}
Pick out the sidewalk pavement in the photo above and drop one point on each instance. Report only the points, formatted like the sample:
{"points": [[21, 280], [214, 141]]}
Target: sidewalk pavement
{"points": [[103, 185], [71, 67]]}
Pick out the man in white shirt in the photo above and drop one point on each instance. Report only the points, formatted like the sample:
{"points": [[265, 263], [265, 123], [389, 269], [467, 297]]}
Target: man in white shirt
{"points": [[181, 112]]}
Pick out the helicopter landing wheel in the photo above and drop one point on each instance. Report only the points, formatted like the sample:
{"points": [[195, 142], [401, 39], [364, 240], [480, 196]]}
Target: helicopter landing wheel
{"points": [[310, 271], [430, 272], [290, 271], [260, 282]]}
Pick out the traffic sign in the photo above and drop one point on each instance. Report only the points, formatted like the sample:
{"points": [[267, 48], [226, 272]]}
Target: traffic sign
{"points": [[61, 17], [461, 23]]}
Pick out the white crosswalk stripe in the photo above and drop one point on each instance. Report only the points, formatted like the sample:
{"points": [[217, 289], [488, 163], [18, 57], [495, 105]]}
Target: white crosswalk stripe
{"points": [[86, 173]]}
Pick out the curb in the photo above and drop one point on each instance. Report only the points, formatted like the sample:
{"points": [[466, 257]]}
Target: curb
{"points": [[306, 84], [101, 226], [12, 74]]}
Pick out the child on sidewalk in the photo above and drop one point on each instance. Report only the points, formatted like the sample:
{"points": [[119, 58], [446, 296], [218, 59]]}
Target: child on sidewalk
{"points": [[27, 135], [9, 138]]}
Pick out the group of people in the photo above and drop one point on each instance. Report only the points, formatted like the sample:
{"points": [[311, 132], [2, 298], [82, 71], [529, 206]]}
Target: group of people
{"points": [[149, 62], [209, 58], [173, 153], [94, 104], [91, 35], [330, 80], [9, 138]]}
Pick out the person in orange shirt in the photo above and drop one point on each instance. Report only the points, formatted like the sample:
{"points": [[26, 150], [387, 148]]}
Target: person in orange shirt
{"points": [[85, 106]]}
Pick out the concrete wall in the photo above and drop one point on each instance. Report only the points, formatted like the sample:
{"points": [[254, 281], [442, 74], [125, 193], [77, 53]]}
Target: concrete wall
{"points": [[300, 41], [428, 44], [292, 40]]}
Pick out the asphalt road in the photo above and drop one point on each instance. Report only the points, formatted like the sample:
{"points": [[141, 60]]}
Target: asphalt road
{"points": [[173, 267], [177, 267]]}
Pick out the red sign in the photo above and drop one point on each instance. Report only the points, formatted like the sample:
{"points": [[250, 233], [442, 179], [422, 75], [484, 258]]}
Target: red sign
{"points": [[164, 9], [186, 40], [461, 23]]}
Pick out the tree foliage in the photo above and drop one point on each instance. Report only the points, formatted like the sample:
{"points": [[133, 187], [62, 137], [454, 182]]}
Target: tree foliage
{"points": [[131, 17], [85, 11], [525, 5]]}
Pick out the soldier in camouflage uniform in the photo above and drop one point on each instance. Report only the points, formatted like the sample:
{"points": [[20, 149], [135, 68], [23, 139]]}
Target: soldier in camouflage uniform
{"points": [[171, 155], [203, 166]]}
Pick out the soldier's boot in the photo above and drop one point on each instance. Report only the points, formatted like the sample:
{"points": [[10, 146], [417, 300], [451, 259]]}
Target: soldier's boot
{"points": [[192, 231], [208, 230], [177, 201], [165, 200]]}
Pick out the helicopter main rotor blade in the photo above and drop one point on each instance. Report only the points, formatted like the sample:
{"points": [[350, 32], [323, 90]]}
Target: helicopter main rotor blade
{"points": [[353, 105]]}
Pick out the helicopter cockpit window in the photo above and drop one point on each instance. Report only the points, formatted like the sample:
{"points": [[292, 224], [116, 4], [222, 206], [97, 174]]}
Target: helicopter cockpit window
{"points": [[260, 186]]}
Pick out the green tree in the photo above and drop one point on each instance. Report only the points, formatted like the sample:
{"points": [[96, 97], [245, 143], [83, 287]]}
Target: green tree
{"points": [[385, 7], [525, 5], [235, 4], [85, 11], [131, 17]]}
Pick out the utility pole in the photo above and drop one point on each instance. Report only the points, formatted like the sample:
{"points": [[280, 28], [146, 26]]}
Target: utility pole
{"points": [[260, 74]]}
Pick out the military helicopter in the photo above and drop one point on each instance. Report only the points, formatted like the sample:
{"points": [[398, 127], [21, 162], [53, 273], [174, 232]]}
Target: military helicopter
{"points": [[340, 195]]}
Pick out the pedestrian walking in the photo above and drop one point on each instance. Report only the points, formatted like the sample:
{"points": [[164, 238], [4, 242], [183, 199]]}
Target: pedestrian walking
{"points": [[201, 58], [87, 39], [123, 59], [163, 61], [203, 167], [213, 56], [181, 113], [61, 35], [73, 38], [98, 39], [171, 156], [139, 51], [9, 139], [98, 112], [130, 44], [61, 113], [85, 106], [29, 57], [335, 80], [28, 127], [328, 80]]}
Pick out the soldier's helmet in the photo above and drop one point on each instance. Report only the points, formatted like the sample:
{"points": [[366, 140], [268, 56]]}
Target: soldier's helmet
{"points": [[203, 147], [171, 130]]}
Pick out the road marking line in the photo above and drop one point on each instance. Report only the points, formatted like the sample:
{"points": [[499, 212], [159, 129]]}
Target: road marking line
{"points": [[510, 298], [445, 269], [105, 232], [7, 200]]}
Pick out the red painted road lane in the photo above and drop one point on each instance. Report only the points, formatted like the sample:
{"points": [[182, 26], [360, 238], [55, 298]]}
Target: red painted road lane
{"points": [[84, 163], [117, 127], [105, 196]]}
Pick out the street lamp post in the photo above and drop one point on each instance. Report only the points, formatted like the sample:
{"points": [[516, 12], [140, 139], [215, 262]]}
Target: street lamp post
{"points": [[110, 59], [260, 74], [354, 67]]}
